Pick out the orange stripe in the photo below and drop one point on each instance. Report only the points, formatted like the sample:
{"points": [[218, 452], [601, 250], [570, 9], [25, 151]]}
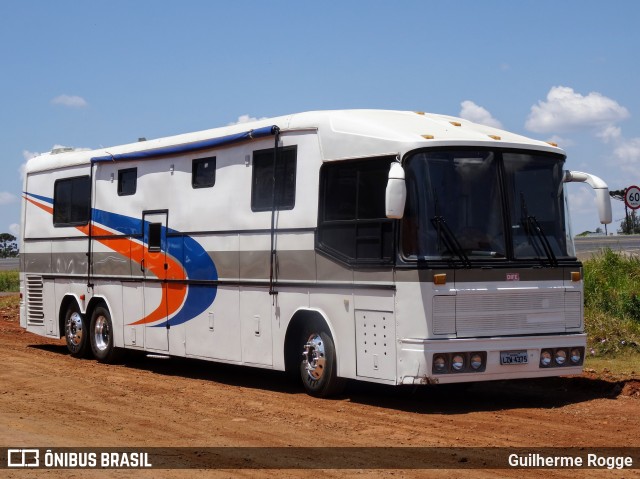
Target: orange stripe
{"points": [[172, 294]]}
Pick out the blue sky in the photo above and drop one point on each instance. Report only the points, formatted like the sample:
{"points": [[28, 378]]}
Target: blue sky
{"points": [[99, 73]]}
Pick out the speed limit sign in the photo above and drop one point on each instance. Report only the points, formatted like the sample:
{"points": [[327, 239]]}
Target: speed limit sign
{"points": [[632, 197]]}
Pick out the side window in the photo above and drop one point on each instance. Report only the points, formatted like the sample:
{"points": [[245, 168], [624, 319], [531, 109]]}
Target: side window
{"points": [[203, 172], [352, 225], [71, 201], [127, 181], [155, 237], [262, 193]]}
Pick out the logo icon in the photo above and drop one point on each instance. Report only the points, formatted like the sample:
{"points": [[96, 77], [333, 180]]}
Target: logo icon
{"points": [[23, 458]]}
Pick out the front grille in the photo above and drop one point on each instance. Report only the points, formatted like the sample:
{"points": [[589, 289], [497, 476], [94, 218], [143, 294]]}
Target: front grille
{"points": [[504, 313]]}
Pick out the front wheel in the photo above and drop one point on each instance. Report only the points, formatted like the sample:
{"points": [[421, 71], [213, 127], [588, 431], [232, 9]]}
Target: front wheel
{"points": [[102, 336], [76, 332], [318, 366]]}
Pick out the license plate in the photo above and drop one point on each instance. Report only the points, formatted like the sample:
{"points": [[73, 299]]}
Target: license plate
{"points": [[513, 357]]}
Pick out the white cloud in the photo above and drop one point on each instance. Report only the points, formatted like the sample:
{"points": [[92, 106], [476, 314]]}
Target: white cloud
{"points": [[245, 119], [72, 101], [610, 134], [7, 198], [566, 110], [14, 229], [472, 112], [627, 155]]}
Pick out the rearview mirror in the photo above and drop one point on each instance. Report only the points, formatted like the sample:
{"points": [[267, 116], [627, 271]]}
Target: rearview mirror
{"points": [[396, 193]]}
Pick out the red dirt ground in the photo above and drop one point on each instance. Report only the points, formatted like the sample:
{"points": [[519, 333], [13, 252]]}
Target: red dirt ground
{"points": [[49, 399]]}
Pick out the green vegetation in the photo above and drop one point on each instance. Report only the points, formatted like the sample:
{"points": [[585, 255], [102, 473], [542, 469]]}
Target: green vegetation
{"points": [[11, 303], [9, 281], [8, 246], [612, 304], [627, 364]]}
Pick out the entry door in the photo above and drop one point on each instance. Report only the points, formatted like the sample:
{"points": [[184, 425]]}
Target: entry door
{"points": [[155, 287]]}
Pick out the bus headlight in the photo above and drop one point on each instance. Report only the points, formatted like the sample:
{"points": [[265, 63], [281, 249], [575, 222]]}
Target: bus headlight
{"points": [[457, 362], [545, 358], [476, 361], [576, 355], [561, 357], [439, 364]]}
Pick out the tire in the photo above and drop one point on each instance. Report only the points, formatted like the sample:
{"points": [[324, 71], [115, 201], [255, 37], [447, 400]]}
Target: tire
{"points": [[318, 369], [101, 336], [76, 332]]}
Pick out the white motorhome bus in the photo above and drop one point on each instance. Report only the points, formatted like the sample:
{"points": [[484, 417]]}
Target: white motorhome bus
{"points": [[387, 246]]}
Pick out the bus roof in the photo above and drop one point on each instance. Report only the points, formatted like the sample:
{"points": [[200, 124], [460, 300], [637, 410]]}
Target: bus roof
{"points": [[343, 134]]}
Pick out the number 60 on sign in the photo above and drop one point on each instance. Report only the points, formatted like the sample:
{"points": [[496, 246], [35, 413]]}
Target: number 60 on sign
{"points": [[632, 197]]}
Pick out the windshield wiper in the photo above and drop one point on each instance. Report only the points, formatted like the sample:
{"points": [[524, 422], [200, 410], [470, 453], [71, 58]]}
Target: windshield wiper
{"points": [[450, 240], [533, 224]]}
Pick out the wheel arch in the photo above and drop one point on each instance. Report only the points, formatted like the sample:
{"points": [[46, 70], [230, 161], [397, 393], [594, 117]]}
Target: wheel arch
{"points": [[85, 310], [95, 302], [300, 318], [67, 300]]}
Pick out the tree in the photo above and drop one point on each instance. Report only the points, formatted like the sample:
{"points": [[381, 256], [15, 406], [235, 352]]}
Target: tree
{"points": [[8, 246], [630, 225]]}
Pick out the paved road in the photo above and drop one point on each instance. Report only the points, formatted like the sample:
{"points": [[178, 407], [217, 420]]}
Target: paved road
{"points": [[7, 264], [588, 246]]}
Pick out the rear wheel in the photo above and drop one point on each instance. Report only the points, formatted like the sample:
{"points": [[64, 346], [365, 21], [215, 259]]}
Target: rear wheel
{"points": [[102, 336], [318, 366], [76, 332]]}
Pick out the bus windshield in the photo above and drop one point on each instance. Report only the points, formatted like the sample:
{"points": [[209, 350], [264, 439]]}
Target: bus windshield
{"points": [[481, 204]]}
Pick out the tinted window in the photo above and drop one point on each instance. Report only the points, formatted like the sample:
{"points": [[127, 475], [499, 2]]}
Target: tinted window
{"points": [[535, 194], [262, 193], [487, 205], [353, 226], [127, 181], [71, 201], [203, 172], [155, 236], [453, 196]]}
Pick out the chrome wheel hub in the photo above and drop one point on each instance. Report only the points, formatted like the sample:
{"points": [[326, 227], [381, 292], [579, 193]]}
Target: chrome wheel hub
{"points": [[101, 334], [314, 357], [74, 329]]}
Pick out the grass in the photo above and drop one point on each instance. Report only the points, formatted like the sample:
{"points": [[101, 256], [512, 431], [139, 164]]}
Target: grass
{"points": [[9, 281], [627, 364], [612, 304]]}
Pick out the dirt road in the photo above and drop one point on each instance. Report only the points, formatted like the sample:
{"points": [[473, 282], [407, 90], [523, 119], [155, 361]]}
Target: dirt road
{"points": [[49, 399]]}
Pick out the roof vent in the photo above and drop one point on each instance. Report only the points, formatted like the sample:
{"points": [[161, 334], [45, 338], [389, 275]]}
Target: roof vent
{"points": [[61, 149], [142, 138]]}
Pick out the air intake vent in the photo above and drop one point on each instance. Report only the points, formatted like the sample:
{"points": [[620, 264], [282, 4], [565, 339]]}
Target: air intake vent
{"points": [[35, 300]]}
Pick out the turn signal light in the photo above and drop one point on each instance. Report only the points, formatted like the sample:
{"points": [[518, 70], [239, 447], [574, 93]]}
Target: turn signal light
{"points": [[440, 279]]}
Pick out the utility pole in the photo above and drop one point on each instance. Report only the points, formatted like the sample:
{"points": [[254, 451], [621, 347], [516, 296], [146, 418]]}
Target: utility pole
{"points": [[619, 195]]}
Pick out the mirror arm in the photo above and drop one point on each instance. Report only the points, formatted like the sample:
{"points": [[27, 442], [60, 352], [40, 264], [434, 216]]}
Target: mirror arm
{"points": [[599, 186]]}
